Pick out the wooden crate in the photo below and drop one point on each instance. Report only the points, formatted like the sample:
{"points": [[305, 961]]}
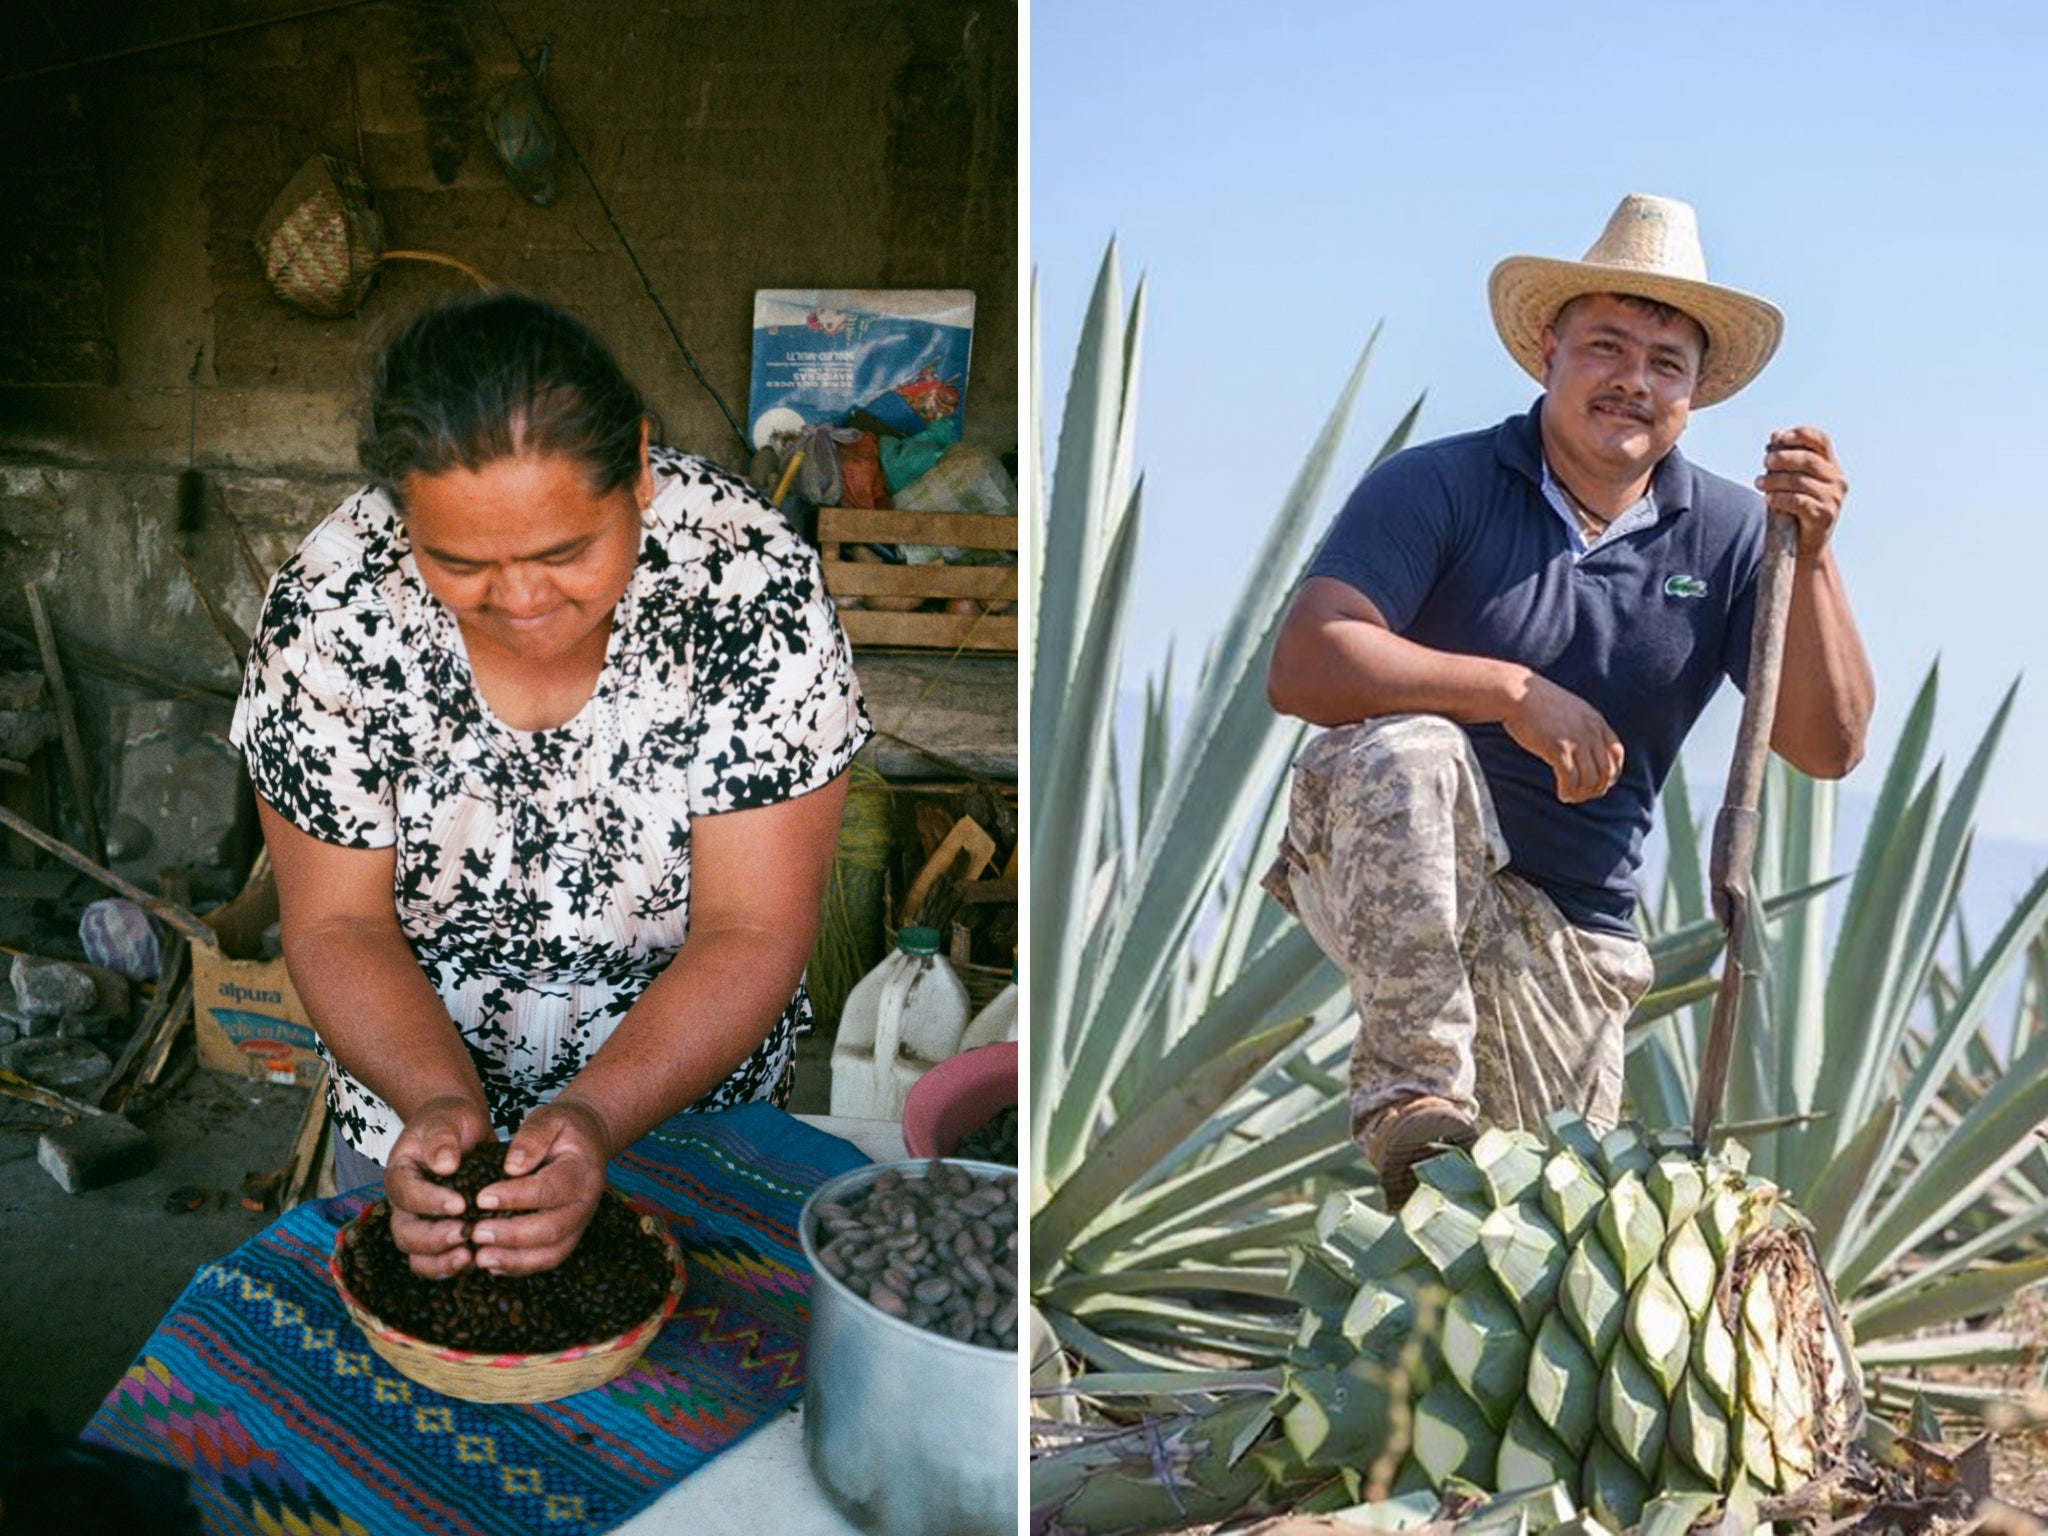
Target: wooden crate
{"points": [[994, 585]]}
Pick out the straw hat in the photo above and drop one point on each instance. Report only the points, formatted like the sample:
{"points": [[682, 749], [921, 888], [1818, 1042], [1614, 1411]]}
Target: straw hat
{"points": [[1650, 248]]}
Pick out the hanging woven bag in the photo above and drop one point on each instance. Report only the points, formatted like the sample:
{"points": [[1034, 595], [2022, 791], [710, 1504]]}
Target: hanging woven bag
{"points": [[320, 240]]}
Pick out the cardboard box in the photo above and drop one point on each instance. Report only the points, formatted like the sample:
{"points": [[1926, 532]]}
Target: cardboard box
{"points": [[247, 1019]]}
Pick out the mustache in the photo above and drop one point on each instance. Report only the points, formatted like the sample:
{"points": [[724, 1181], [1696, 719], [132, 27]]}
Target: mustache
{"points": [[1627, 407]]}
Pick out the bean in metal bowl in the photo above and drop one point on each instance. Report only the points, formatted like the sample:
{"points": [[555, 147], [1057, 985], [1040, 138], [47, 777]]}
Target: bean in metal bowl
{"points": [[939, 1252]]}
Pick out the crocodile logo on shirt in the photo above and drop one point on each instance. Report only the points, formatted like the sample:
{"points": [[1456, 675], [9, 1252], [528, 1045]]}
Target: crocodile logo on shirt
{"points": [[1684, 586]]}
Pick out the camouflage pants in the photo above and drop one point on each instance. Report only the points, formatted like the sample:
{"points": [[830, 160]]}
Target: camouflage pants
{"points": [[1469, 983]]}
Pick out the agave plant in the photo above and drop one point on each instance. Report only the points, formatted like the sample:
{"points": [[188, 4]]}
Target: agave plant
{"points": [[1193, 1179], [1611, 1316], [1924, 1184], [1179, 1095]]}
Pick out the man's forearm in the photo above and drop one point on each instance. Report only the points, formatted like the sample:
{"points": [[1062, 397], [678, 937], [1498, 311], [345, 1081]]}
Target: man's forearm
{"points": [[696, 1022], [376, 1011], [1341, 671], [1827, 692]]}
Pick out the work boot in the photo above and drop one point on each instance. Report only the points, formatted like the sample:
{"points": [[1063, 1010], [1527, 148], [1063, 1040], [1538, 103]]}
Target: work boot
{"points": [[1412, 1132]]}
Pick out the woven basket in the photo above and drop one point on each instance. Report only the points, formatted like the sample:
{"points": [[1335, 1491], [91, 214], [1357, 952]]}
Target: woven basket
{"points": [[320, 241], [486, 1378]]}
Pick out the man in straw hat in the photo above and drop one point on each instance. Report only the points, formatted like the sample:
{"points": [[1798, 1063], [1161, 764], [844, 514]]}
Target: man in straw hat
{"points": [[1509, 634]]}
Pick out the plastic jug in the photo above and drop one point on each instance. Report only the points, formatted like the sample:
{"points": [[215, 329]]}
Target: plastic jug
{"points": [[995, 1023], [900, 1020]]}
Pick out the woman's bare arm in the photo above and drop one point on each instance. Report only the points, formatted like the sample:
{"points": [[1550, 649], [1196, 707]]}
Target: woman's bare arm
{"points": [[757, 879], [376, 1011]]}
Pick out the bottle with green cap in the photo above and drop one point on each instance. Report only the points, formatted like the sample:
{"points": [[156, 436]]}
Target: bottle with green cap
{"points": [[900, 1020]]}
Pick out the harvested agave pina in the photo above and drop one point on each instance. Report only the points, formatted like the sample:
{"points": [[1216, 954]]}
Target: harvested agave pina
{"points": [[1615, 1314]]}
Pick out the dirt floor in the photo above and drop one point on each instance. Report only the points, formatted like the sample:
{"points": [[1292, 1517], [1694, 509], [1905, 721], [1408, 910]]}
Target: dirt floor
{"points": [[2019, 1461], [85, 1278]]}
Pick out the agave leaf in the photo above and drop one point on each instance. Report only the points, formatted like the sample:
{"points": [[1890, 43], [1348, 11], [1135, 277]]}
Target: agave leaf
{"points": [[1798, 1004], [1660, 1005], [1085, 501], [2022, 927], [1901, 773], [1282, 1096], [1036, 448], [1937, 897], [1866, 952], [1163, 1473], [1251, 917], [1273, 1284], [1957, 829], [1996, 1133], [1141, 1142], [1965, 1295], [1844, 1183], [1977, 1347], [1658, 1070], [1237, 1182], [1272, 1232], [1686, 954], [1684, 874], [1230, 750], [1978, 1403], [1074, 775], [1104, 1353]]}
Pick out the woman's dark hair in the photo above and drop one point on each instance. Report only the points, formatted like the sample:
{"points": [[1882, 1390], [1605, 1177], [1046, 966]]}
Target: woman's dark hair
{"points": [[492, 375]]}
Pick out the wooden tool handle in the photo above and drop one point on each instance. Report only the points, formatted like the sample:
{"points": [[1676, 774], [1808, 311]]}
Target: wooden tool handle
{"points": [[1733, 854]]}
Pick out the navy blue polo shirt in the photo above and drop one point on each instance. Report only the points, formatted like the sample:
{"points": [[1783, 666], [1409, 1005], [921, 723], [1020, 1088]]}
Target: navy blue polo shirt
{"points": [[1455, 544]]}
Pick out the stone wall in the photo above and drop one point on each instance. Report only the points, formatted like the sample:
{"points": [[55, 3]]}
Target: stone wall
{"points": [[740, 144]]}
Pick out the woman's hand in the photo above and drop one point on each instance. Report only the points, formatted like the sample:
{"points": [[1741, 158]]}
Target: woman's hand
{"points": [[426, 1218], [554, 1179]]}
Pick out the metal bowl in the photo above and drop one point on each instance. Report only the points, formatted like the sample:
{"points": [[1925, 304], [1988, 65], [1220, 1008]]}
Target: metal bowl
{"points": [[910, 1433]]}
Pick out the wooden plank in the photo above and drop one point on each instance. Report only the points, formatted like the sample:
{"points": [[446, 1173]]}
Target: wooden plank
{"points": [[157, 1052], [169, 912], [970, 530], [966, 837], [67, 721], [306, 1149], [1001, 891], [991, 583], [170, 974], [27, 796], [949, 631]]}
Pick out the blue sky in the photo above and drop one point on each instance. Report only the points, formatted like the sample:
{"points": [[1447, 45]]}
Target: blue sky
{"points": [[1289, 175]]}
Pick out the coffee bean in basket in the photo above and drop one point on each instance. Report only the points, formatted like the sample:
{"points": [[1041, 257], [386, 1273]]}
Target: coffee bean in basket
{"points": [[939, 1252], [615, 1277]]}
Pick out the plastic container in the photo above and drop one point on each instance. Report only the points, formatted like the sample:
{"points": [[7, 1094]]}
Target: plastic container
{"points": [[900, 1020], [958, 1096], [910, 1433], [995, 1023]]}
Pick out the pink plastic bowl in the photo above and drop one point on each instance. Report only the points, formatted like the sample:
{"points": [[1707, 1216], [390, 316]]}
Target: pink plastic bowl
{"points": [[958, 1095]]}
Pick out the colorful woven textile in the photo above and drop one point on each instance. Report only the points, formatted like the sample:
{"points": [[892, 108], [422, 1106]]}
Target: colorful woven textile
{"points": [[259, 1386]]}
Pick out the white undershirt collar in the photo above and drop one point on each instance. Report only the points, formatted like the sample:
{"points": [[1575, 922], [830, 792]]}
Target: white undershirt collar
{"points": [[1642, 514]]}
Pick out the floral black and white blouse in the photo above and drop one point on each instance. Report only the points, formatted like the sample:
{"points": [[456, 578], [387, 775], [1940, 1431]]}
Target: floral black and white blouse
{"points": [[543, 877]]}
